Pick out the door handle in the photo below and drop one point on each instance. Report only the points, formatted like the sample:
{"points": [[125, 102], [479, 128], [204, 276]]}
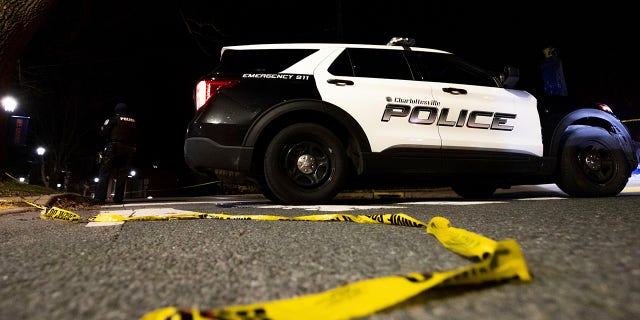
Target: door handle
{"points": [[455, 91], [340, 82]]}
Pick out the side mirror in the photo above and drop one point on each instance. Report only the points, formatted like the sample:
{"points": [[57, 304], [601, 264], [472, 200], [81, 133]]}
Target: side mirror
{"points": [[510, 77]]}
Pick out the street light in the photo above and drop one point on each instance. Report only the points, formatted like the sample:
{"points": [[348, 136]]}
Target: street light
{"points": [[41, 151], [9, 103]]}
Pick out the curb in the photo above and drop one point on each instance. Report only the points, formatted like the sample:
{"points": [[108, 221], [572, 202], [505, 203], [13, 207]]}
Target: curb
{"points": [[43, 200], [49, 200]]}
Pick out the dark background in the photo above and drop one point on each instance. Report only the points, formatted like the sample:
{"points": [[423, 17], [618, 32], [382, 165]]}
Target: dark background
{"points": [[90, 55]]}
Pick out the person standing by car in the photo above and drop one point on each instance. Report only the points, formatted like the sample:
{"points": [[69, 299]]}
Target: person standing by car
{"points": [[120, 133]]}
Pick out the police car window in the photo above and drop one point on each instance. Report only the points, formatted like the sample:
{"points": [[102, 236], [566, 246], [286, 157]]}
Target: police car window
{"points": [[438, 67], [260, 61], [376, 63], [341, 66]]}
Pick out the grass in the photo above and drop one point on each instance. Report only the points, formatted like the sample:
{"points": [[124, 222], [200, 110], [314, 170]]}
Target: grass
{"points": [[12, 188]]}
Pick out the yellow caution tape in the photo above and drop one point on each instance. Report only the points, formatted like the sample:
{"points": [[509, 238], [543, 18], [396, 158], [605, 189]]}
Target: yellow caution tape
{"points": [[395, 219], [35, 205], [498, 261], [8, 204], [365, 297], [460, 241], [55, 213], [60, 214]]}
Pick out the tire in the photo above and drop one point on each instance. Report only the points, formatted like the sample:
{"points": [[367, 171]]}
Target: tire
{"points": [[266, 192], [305, 164], [592, 164], [474, 191]]}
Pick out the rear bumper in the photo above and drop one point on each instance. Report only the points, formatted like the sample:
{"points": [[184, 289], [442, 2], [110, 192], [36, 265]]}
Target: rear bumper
{"points": [[206, 155]]}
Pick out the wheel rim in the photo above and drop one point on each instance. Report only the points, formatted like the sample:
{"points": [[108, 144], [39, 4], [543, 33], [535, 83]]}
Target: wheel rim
{"points": [[597, 163], [307, 164]]}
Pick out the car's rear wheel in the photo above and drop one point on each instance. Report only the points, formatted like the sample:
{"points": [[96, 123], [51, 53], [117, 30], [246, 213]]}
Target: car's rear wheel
{"points": [[305, 163], [592, 164]]}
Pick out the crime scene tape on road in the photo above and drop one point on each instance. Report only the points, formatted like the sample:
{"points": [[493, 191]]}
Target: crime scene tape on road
{"points": [[365, 297], [497, 261], [56, 213]]}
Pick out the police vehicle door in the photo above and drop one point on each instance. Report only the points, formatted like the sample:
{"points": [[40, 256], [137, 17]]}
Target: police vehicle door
{"points": [[377, 87], [484, 128]]}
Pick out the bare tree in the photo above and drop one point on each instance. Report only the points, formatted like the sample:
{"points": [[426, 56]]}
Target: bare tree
{"points": [[63, 128], [55, 80], [19, 20]]}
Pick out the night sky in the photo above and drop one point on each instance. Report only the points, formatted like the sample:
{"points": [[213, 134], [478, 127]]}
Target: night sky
{"points": [[91, 54]]}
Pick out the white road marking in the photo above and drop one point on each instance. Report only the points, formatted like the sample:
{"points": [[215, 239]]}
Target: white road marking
{"points": [[631, 189], [146, 212]]}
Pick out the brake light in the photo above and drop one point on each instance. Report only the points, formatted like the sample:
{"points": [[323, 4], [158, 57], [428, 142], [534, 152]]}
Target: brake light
{"points": [[206, 89]]}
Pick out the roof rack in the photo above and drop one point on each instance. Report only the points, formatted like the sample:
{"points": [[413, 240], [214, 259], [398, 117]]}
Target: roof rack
{"points": [[401, 41]]}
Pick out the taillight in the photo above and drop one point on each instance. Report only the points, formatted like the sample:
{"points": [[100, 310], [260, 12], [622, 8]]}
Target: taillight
{"points": [[206, 89]]}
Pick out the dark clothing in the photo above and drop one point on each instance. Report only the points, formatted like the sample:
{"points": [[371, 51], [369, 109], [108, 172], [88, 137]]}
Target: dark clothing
{"points": [[120, 128], [120, 133]]}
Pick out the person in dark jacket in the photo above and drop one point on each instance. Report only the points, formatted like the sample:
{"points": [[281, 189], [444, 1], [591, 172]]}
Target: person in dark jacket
{"points": [[120, 133]]}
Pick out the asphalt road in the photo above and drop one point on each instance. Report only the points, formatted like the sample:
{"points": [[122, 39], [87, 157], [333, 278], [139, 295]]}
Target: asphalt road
{"points": [[583, 255]]}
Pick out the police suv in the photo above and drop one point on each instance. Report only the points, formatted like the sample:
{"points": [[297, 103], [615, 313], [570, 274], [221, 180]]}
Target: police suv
{"points": [[304, 121]]}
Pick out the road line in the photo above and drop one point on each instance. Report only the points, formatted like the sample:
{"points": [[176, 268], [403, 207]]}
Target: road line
{"points": [[146, 212]]}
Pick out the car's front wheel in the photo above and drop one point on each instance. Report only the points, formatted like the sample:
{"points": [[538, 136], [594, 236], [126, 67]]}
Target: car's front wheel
{"points": [[592, 164], [305, 163]]}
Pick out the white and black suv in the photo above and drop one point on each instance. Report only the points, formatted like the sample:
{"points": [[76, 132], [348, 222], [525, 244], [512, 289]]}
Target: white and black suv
{"points": [[305, 121]]}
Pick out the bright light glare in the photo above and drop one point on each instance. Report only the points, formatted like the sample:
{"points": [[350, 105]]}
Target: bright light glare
{"points": [[9, 104], [605, 108], [40, 151], [22, 179], [132, 173], [202, 91], [96, 179], [206, 89]]}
